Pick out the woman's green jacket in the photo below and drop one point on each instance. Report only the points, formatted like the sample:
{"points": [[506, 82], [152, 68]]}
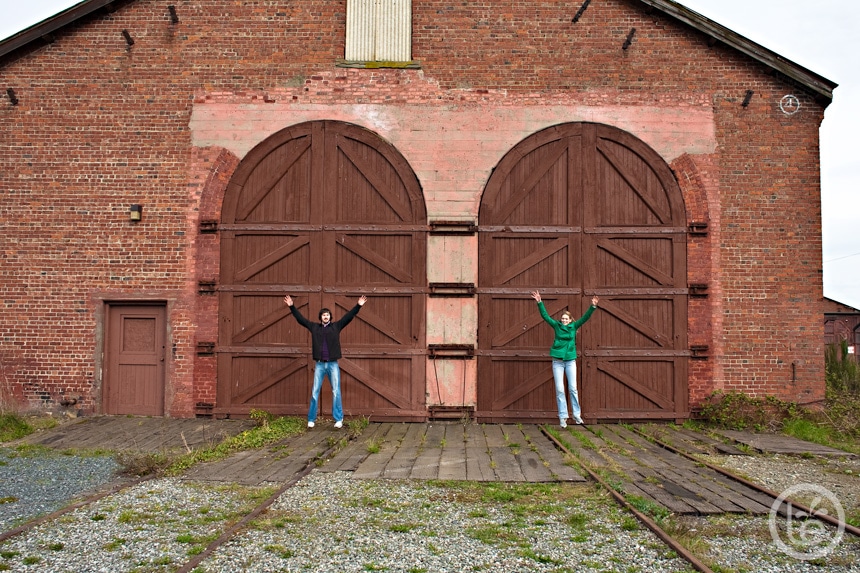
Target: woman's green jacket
{"points": [[564, 345]]}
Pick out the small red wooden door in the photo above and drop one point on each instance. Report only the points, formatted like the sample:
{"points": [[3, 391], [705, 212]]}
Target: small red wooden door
{"points": [[134, 366], [574, 211]]}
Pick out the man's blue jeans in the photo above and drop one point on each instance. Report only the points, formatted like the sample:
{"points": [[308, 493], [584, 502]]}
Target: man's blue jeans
{"points": [[332, 370], [559, 369]]}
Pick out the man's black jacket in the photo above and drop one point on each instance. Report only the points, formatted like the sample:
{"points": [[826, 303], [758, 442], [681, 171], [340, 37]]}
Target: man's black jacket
{"points": [[330, 333]]}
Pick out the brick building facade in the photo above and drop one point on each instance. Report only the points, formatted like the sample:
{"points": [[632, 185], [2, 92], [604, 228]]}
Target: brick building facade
{"points": [[133, 102]]}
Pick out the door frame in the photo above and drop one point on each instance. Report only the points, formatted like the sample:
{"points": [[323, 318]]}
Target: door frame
{"points": [[110, 308]]}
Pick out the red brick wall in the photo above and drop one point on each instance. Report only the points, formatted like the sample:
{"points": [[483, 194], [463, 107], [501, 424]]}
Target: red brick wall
{"points": [[101, 125]]}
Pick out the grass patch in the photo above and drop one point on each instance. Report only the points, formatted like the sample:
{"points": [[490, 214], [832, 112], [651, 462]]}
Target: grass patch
{"points": [[403, 527], [114, 544], [530, 554], [14, 427], [268, 430], [280, 551], [374, 445]]}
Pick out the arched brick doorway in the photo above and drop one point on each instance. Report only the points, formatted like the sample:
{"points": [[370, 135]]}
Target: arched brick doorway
{"points": [[325, 211], [577, 210]]}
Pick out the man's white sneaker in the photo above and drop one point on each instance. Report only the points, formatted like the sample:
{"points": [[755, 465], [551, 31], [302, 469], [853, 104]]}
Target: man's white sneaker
{"points": [[310, 424], [578, 420], [562, 423], [338, 424]]}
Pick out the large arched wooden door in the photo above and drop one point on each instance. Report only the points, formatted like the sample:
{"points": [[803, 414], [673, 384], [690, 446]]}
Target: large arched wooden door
{"points": [[574, 211], [325, 211]]}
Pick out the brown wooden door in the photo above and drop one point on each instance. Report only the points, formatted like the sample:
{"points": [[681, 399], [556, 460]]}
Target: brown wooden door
{"points": [[575, 211], [325, 211], [134, 365]]}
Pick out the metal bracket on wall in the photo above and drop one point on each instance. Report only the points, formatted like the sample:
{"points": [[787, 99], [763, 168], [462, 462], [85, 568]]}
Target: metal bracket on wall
{"points": [[699, 352], [698, 290], [206, 287], [461, 351], [698, 229], [208, 226], [452, 289], [453, 228], [205, 349]]}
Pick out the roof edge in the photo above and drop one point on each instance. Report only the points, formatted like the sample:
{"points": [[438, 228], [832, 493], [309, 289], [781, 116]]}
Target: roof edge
{"points": [[50, 25], [819, 85]]}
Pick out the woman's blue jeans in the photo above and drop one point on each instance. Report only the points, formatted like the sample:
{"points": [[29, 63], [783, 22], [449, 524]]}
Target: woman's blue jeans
{"points": [[332, 370], [559, 369]]}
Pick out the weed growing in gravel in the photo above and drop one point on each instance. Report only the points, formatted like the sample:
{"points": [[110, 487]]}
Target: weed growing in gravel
{"points": [[530, 554], [280, 551], [114, 544], [403, 527], [653, 510]]}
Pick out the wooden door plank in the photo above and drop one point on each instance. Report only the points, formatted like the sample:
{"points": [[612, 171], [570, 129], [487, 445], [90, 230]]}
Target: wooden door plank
{"points": [[253, 200], [349, 150], [253, 268], [274, 378], [400, 274], [551, 153], [637, 184], [656, 398], [519, 267]]}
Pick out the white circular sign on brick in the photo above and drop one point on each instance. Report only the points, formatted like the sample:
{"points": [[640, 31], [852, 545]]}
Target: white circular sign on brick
{"points": [[789, 104]]}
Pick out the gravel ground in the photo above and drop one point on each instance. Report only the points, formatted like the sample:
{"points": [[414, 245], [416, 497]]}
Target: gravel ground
{"points": [[38, 484], [330, 522]]}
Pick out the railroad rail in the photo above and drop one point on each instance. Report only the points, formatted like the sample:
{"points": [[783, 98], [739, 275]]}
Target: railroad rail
{"points": [[788, 507]]}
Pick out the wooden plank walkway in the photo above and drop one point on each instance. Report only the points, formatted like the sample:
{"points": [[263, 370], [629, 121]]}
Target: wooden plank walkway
{"points": [[780, 444], [138, 434], [661, 476], [456, 451], [453, 451], [278, 462]]}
